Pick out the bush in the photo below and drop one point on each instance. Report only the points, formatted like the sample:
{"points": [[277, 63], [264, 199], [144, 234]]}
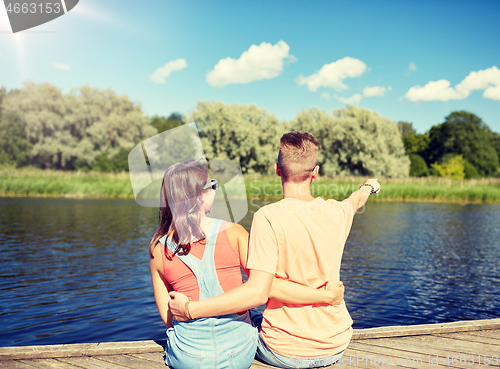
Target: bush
{"points": [[452, 168], [418, 166], [115, 163]]}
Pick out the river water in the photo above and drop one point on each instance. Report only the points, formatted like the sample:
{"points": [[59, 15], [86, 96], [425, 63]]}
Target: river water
{"points": [[77, 271]]}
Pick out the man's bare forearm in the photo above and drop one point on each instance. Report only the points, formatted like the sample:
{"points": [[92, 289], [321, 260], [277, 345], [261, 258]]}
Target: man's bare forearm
{"points": [[295, 293]]}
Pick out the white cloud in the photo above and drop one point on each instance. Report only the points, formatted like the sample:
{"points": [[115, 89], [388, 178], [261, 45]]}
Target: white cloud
{"points": [[412, 67], [333, 74], [354, 99], [61, 66], [162, 73], [479, 80], [325, 96], [264, 61], [487, 79], [434, 90], [374, 91], [492, 93]]}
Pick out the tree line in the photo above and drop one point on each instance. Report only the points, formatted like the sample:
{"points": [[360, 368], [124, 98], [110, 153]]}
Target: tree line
{"points": [[94, 129], [463, 146]]}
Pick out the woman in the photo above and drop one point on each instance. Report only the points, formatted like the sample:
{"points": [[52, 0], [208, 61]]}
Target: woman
{"points": [[201, 258]]}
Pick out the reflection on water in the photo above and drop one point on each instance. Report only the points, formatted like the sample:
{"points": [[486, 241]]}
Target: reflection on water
{"points": [[78, 270]]}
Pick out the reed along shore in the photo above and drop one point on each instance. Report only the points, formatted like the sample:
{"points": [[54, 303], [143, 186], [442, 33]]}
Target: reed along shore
{"points": [[32, 182]]}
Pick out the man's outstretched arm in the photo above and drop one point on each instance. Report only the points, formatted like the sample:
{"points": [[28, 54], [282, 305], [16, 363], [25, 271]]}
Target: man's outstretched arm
{"points": [[253, 293], [358, 198]]}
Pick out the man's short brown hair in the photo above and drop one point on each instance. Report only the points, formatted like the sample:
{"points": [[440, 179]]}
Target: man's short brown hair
{"points": [[298, 155]]}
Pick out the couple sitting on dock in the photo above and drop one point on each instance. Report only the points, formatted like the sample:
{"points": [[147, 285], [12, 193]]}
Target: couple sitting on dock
{"points": [[292, 257]]}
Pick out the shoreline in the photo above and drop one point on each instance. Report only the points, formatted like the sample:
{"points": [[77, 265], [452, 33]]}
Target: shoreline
{"points": [[38, 183], [273, 199]]}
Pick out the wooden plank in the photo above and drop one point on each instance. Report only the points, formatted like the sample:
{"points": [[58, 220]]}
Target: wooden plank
{"points": [[491, 333], [411, 348], [80, 349], [468, 337], [88, 362], [420, 329], [465, 347], [363, 359], [431, 345], [14, 364], [484, 329], [151, 356], [396, 354], [49, 364], [349, 357], [127, 361], [260, 365]]}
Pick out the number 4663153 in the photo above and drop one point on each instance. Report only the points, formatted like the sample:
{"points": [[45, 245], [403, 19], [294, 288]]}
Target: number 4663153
{"points": [[33, 8], [471, 359]]}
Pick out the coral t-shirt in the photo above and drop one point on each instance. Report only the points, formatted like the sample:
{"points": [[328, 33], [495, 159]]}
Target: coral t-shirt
{"points": [[227, 266], [303, 242]]}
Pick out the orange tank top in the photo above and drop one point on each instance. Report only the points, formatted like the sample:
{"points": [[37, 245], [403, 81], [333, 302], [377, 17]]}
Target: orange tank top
{"points": [[227, 266]]}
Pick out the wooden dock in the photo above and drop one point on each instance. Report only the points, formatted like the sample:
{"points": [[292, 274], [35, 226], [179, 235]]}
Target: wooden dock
{"points": [[465, 344]]}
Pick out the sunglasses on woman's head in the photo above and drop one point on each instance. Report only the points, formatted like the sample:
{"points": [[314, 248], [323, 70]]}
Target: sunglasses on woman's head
{"points": [[213, 184]]}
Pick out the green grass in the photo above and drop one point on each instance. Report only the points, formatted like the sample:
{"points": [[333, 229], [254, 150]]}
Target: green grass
{"points": [[50, 183], [431, 189]]}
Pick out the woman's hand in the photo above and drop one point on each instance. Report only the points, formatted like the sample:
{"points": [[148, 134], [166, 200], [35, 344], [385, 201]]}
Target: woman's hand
{"points": [[335, 292], [177, 306]]}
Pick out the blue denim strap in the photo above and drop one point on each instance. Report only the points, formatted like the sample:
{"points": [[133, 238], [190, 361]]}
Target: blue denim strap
{"points": [[211, 281], [204, 270]]}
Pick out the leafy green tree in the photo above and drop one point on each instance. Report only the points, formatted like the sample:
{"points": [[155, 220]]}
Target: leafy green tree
{"points": [[416, 143], [495, 137], [245, 134], [69, 131], [465, 134], [163, 124], [14, 146], [452, 168], [3, 92], [355, 141], [406, 129]]}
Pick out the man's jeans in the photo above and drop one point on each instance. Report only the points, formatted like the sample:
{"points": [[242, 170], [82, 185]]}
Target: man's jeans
{"points": [[265, 354]]}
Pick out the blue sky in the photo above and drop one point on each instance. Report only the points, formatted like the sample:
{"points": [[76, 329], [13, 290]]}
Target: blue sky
{"points": [[415, 61]]}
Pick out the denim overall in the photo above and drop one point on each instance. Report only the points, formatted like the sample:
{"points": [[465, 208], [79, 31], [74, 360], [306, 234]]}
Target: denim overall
{"points": [[227, 341]]}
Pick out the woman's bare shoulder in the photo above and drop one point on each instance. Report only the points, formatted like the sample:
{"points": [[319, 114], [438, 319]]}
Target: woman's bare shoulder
{"points": [[157, 259], [236, 229]]}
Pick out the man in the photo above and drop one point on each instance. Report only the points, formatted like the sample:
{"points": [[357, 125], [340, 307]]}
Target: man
{"points": [[300, 239]]}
